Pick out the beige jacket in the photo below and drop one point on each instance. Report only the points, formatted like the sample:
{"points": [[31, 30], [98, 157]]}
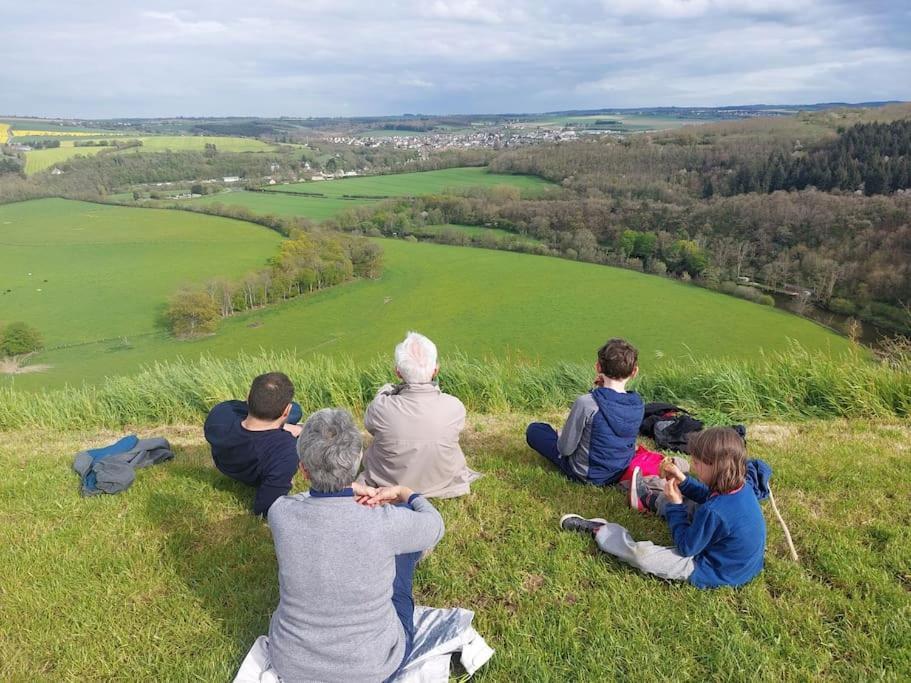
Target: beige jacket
{"points": [[416, 441]]}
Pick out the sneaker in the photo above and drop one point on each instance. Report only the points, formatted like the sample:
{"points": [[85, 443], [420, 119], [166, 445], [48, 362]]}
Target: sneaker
{"points": [[641, 497], [637, 489], [577, 523]]}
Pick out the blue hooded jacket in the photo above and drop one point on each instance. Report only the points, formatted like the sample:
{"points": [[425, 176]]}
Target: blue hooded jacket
{"points": [[613, 438]]}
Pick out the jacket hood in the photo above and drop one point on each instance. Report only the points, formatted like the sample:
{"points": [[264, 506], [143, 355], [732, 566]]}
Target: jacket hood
{"points": [[758, 474], [623, 412], [222, 427]]}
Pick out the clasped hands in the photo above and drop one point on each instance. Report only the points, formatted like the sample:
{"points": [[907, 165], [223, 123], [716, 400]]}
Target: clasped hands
{"points": [[374, 496], [673, 477]]}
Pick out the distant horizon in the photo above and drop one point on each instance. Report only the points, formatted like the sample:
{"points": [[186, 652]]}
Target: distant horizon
{"points": [[753, 105]]}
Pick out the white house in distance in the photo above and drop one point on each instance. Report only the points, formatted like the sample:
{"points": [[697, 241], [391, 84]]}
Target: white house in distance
{"points": [[231, 179]]}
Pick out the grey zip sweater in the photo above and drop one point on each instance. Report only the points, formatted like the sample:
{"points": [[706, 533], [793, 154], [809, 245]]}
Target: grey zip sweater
{"points": [[336, 563]]}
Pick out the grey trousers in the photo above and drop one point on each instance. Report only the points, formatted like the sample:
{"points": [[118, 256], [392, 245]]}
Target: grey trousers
{"points": [[645, 556]]}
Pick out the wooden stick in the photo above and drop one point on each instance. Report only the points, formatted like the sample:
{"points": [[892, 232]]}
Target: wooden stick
{"points": [[784, 527]]}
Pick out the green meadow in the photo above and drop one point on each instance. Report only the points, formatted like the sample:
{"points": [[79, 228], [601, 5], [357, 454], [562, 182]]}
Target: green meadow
{"points": [[288, 205], [42, 159], [327, 198], [197, 143], [112, 269], [173, 579], [414, 184], [82, 272]]}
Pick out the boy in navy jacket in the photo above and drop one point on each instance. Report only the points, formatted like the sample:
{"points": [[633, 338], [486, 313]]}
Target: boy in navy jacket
{"points": [[255, 442], [598, 440]]}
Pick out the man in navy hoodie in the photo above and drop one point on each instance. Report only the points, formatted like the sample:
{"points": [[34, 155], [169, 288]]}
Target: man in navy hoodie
{"points": [[598, 440], [255, 442]]}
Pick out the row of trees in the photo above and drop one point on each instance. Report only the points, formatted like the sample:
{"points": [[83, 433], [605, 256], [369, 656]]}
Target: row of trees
{"points": [[307, 262], [875, 157]]}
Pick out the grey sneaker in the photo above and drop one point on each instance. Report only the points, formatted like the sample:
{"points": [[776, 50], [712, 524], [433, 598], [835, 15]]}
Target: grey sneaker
{"points": [[577, 523], [641, 497], [637, 489]]}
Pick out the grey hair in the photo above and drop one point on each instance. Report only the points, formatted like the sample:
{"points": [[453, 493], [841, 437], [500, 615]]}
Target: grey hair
{"points": [[329, 447]]}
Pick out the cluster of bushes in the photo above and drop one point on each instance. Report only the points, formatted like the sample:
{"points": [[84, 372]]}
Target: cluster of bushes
{"points": [[306, 262], [744, 292], [19, 339]]}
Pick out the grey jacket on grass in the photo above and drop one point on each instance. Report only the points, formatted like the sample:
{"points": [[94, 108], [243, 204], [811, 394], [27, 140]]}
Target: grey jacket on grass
{"points": [[335, 619], [115, 472]]}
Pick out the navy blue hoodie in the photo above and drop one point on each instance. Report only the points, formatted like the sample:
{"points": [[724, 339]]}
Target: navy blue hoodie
{"points": [[266, 460], [613, 438], [726, 537]]}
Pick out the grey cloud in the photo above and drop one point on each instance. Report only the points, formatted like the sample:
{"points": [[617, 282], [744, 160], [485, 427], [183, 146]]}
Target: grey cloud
{"points": [[284, 57]]}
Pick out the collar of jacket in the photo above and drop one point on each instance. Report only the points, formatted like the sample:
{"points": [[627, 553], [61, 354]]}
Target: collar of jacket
{"points": [[421, 387], [344, 493]]}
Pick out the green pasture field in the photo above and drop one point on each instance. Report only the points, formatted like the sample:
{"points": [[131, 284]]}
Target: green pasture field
{"points": [[184, 143], [173, 579], [281, 202], [414, 184], [81, 272], [475, 300], [42, 159], [289, 205]]}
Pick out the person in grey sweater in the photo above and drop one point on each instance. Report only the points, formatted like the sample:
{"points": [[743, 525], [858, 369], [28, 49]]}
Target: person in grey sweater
{"points": [[346, 557]]}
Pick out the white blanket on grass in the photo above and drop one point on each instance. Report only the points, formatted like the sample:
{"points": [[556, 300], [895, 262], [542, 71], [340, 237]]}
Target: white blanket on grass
{"points": [[438, 633]]}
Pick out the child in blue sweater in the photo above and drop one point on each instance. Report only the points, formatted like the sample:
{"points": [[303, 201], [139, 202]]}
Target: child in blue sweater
{"points": [[719, 533]]}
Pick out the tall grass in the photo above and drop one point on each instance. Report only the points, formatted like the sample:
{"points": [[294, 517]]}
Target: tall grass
{"points": [[794, 384]]}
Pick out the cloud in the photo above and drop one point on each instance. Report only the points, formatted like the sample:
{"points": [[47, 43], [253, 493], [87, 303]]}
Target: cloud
{"points": [[324, 57]]}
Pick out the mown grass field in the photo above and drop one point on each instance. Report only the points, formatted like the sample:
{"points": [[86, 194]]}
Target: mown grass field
{"points": [[42, 159], [183, 143], [173, 579], [81, 272], [474, 300], [414, 184], [39, 160], [289, 205], [325, 199]]}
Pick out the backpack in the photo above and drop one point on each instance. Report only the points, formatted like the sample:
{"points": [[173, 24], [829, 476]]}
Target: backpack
{"points": [[670, 426]]}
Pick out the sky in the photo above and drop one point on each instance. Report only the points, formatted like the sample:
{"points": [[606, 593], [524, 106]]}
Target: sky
{"points": [[144, 58]]}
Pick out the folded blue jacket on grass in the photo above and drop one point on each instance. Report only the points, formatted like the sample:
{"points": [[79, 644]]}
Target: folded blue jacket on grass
{"points": [[112, 469]]}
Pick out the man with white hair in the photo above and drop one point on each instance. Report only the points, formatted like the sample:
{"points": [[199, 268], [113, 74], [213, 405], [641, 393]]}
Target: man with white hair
{"points": [[416, 428]]}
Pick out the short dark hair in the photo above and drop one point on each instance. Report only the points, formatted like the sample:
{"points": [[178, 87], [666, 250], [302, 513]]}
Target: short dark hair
{"points": [[724, 450], [617, 359], [269, 395]]}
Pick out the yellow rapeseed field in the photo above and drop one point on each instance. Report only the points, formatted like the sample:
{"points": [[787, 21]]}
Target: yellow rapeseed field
{"points": [[4, 133]]}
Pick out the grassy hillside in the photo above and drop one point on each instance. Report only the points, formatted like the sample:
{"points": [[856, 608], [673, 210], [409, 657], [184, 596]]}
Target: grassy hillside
{"points": [[477, 301], [412, 184], [177, 569], [81, 272]]}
